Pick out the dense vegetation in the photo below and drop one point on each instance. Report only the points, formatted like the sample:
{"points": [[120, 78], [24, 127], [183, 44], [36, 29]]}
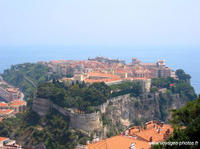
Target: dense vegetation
{"points": [[76, 95], [186, 123], [182, 75], [26, 76], [52, 130], [181, 85], [127, 87], [188, 116]]}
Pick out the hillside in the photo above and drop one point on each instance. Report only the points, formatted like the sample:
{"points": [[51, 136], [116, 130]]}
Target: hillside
{"points": [[186, 122], [26, 76], [76, 112]]}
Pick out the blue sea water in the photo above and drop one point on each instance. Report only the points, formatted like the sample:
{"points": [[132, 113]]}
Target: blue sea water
{"points": [[185, 58]]}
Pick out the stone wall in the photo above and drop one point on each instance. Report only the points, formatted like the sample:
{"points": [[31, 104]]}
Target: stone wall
{"points": [[86, 122], [41, 106]]}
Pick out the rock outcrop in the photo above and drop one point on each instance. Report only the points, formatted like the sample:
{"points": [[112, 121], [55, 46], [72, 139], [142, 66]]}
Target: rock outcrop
{"points": [[127, 110]]}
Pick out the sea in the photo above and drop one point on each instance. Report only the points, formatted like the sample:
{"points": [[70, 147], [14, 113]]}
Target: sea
{"points": [[186, 58]]}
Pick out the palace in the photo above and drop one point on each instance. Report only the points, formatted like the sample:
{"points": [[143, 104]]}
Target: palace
{"points": [[112, 71]]}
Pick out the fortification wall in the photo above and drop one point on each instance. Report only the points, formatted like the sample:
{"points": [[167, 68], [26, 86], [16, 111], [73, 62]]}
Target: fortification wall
{"points": [[86, 122], [41, 106]]}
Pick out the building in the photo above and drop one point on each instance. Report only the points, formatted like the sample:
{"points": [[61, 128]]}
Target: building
{"points": [[142, 73], [161, 63], [6, 113], [4, 94], [120, 142], [10, 109], [6, 143], [106, 60], [154, 131], [9, 94], [3, 105], [107, 78], [135, 61], [110, 71], [136, 137], [14, 93], [18, 106]]}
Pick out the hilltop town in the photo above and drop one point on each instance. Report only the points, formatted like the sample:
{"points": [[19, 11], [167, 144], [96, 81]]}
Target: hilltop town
{"points": [[110, 71], [96, 101]]}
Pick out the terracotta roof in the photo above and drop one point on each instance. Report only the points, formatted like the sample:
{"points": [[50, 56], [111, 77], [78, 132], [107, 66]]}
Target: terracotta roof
{"points": [[140, 78], [3, 139], [18, 103], [142, 71], [133, 130], [13, 90], [153, 130], [119, 142], [149, 64], [5, 111], [3, 104], [103, 77], [102, 74]]}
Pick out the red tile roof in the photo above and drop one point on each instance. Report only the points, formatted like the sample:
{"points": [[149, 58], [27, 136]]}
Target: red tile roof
{"points": [[156, 131], [119, 142], [3, 104], [13, 90], [3, 139], [5, 111], [18, 103]]}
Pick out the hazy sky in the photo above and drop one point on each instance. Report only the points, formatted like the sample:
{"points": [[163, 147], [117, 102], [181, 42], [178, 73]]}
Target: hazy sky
{"points": [[100, 22]]}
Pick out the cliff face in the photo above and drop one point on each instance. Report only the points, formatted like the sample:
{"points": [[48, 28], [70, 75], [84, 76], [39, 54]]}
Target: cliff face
{"points": [[127, 110], [120, 112]]}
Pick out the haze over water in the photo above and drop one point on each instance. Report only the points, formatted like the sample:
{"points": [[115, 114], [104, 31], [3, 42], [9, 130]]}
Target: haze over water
{"points": [[147, 30], [184, 58]]}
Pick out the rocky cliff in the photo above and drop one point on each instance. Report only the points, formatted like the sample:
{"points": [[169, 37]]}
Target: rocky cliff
{"points": [[118, 113], [127, 110]]}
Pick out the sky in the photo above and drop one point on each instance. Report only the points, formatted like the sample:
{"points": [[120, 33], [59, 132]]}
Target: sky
{"points": [[100, 22]]}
